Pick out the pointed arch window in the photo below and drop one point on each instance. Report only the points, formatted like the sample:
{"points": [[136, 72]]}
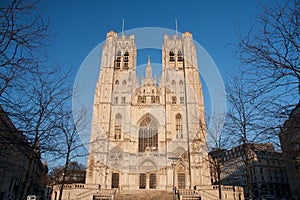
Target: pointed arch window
{"points": [[148, 134], [180, 56], [173, 83], [124, 82], [119, 56], [118, 127], [118, 60], [116, 82], [178, 122], [126, 56], [126, 66], [126, 59], [174, 100], [172, 55]]}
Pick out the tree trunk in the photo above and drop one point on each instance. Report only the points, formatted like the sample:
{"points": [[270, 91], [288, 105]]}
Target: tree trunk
{"points": [[248, 171], [219, 179], [64, 177]]}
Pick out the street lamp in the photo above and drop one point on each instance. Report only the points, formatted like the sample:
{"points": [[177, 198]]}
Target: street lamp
{"points": [[173, 159]]}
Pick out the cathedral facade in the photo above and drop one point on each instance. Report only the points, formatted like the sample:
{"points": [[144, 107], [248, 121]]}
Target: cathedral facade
{"points": [[145, 133]]}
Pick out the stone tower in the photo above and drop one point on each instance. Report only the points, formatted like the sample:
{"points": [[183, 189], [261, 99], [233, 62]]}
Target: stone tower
{"points": [[137, 128]]}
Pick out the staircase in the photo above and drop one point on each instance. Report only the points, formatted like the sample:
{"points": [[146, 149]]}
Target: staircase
{"points": [[189, 195], [144, 195]]}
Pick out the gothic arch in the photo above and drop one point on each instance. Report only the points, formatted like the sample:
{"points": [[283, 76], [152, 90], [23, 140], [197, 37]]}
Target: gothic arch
{"points": [[178, 152], [115, 154], [180, 168], [178, 124], [118, 126], [181, 176], [147, 133], [150, 115], [147, 165]]}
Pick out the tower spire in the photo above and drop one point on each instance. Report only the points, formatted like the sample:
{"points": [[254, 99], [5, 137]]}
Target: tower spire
{"points": [[176, 26], [149, 69], [123, 26]]}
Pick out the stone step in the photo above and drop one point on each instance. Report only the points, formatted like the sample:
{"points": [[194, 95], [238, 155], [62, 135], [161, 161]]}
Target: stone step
{"points": [[144, 195]]}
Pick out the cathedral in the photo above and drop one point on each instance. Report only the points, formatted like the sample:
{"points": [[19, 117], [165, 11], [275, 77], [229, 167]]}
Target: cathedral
{"points": [[147, 134], [139, 130]]}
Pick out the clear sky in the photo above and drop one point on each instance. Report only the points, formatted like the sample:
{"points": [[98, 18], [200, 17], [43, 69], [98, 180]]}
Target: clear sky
{"points": [[81, 25]]}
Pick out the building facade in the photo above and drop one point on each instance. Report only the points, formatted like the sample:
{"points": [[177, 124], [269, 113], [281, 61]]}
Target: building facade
{"points": [[290, 145], [149, 134], [136, 127], [268, 175], [14, 158]]}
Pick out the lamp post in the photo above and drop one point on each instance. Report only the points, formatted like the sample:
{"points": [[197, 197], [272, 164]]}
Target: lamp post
{"points": [[173, 159]]}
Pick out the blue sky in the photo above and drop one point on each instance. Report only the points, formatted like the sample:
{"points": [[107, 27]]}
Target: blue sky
{"points": [[80, 25]]}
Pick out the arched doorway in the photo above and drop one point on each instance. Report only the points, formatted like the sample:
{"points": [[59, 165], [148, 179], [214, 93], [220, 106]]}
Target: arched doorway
{"points": [[152, 181], [148, 134], [143, 181], [115, 180]]}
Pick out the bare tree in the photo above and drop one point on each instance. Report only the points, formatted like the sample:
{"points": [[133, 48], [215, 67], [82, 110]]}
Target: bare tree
{"points": [[70, 146], [23, 38], [245, 121], [270, 53], [38, 109], [217, 144]]}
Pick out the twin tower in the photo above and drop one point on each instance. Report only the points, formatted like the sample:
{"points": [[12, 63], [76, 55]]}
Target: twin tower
{"points": [[144, 132]]}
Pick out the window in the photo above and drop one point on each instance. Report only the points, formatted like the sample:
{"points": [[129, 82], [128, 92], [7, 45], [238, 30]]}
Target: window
{"points": [[172, 56], [180, 56], [124, 82], [126, 65], [148, 135], [123, 100], [143, 99], [181, 100], [181, 180], [116, 100], [173, 83], [153, 99], [116, 82], [117, 65], [157, 99], [126, 59], [118, 126], [119, 56], [178, 122], [173, 99], [126, 56], [118, 60], [117, 132]]}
